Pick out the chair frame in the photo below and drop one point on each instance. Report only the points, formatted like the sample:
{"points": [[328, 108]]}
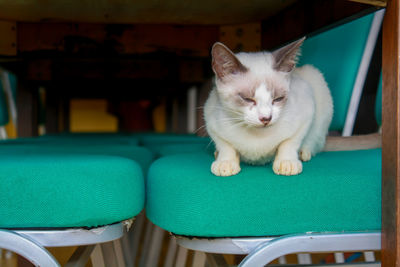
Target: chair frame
{"points": [[362, 72], [262, 250], [30, 243]]}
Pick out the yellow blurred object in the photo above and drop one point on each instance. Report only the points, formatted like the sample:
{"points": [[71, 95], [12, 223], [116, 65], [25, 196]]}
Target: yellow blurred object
{"points": [[11, 130], [8, 259], [90, 115], [160, 118]]}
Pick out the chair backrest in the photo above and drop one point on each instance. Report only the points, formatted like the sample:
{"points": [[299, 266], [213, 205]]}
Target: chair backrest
{"points": [[339, 54], [378, 103], [343, 55]]}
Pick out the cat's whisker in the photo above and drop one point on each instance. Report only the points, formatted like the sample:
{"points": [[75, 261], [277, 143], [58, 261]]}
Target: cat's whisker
{"points": [[230, 121], [228, 110], [200, 128], [208, 145], [235, 124]]}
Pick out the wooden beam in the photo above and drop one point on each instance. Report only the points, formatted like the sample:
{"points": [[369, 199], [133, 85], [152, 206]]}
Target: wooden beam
{"points": [[308, 18], [242, 37], [8, 40], [170, 68], [111, 40], [381, 3], [193, 12], [391, 136]]}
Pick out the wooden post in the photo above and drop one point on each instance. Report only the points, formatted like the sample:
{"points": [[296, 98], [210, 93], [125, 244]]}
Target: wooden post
{"points": [[8, 40], [391, 137], [27, 110], [52, 111]]}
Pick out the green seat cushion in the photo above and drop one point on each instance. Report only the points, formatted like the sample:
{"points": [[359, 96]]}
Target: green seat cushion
{"points": [[90, 139], [67, 141], [337, 53], [58, 191], [139, 154], [162, 144], [81, 139], [149, 139], [161, 150], [337, 191]]}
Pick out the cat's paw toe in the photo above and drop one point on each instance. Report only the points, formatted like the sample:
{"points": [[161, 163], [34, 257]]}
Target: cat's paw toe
{"points": [[287, 167], [305, 154], [225, 168]]}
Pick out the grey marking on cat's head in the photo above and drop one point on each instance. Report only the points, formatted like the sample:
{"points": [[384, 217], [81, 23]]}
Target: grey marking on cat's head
{"points": [[224, 62], [286, 57]]}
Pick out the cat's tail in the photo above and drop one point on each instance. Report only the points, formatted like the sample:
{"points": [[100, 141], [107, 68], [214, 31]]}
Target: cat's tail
{"points": [[355, 142]]}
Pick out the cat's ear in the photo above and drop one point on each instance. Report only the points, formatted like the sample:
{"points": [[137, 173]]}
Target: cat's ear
{"points": [[224, 62], [286, 57]]}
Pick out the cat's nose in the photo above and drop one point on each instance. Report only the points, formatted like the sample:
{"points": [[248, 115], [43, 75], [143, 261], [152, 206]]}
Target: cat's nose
{"points": [[265, 120]]}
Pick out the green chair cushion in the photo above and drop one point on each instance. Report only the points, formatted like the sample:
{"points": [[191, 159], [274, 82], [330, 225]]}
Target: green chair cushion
{"points": [[162, 144], [76, 139], [161, 150], [139, 154], [337, 191], [337, 53], [89, 139], [58, 191], [150, 139]]}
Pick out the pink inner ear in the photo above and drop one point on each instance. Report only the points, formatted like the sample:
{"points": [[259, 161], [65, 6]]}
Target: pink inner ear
{"points": [[224, 62]]}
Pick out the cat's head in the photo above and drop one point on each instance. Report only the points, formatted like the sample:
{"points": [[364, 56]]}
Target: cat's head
{"points": [[254, 87]]}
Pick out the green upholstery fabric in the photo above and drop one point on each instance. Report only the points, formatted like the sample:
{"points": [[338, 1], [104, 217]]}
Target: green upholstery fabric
{"points": [[150, 139], [162, 144], [337, 191], [57, 190], [337, 53], [162, 150], [87, 134], [83, 140], [91, 139], [139, 154]]}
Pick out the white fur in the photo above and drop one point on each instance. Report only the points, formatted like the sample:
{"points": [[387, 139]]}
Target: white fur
{"points": [[299, 126]]}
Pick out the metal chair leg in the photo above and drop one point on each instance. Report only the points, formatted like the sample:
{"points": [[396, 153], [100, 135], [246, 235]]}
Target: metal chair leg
{"points": [[27, 248], [171, 253], [109, 254], [80, 257], [153, 254], [271, 250], [97, 257]]}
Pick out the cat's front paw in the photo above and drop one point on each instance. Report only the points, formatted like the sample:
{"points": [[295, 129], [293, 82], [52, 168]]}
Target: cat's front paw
{"points": [[225, 167], [305, 154], [287, 167]]}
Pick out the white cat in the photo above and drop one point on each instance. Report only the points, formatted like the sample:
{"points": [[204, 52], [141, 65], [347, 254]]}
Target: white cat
{"points": [[262, 108]]}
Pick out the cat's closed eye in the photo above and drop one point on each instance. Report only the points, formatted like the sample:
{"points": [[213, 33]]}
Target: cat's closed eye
{"points": [[248, 99], [278, 99]]}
